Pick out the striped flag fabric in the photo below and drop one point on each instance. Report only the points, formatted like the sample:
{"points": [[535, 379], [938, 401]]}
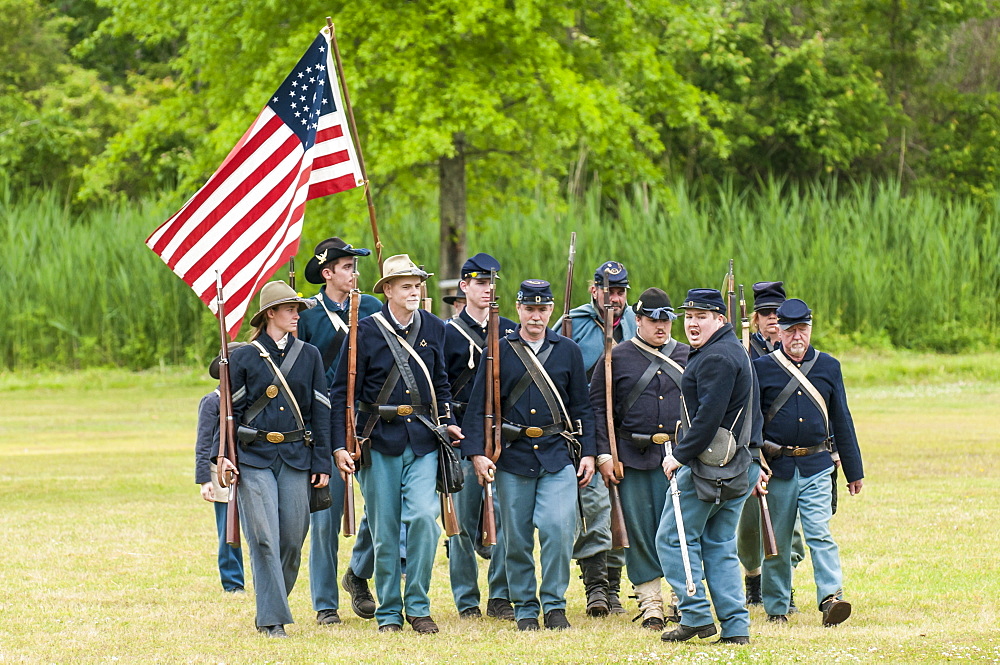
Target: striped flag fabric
{"points": [[245, 222]]}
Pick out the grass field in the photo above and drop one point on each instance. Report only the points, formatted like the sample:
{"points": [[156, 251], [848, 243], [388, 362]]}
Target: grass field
{"points": [[108, 551]]}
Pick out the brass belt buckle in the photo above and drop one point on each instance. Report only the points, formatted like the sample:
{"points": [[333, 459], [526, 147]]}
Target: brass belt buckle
{"points": [[404, 410], [275, 437], [533, 432], [800, 452], [660, 439]]}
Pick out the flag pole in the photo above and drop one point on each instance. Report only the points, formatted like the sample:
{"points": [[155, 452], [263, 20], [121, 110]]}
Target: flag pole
{"points": [[357, 142]]}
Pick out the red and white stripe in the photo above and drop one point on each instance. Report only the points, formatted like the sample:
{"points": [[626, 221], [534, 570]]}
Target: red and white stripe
{"points": [[246, 221]]}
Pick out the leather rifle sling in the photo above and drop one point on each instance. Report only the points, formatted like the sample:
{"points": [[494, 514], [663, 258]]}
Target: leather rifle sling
{"points": [[390, 381], [525, 380], [543, 381], [798, 378]]}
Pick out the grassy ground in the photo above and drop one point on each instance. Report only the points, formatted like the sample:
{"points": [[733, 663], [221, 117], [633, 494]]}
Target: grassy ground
{"points": [[108, 552]]}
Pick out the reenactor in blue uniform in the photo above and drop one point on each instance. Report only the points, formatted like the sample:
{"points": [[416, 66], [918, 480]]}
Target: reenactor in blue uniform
{"points": [[402, 395], [547, 426], [714, 474], [465, 339], [805, 412], [280, 403], [601, 566], [325, 326], [646, 380], [768, 296], [456, 301]]}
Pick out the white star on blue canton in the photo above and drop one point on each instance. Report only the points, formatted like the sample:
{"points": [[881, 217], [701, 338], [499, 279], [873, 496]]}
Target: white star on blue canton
{"points": [[302, 98], [321, 67], [312, 79], [297, 114], [304, 121], [309, 69], [294, 105], [324, 100], [301, 75], [275, 100]]}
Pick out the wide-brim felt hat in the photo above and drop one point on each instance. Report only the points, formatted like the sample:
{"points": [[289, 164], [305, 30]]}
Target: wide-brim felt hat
{"points": [[213, 367], [654, 304], [768, 295], [274, 294], [329, 250], [396, 266], [450, 300]]}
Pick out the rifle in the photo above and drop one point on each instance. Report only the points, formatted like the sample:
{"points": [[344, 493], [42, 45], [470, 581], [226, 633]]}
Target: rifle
{"points": [[291, 273], [449, 518], [730, 284], [675, 493], [767, 530], [744, 321], [567, 323], [494, 443], [350, 527], [619, 535], [227, 427]]}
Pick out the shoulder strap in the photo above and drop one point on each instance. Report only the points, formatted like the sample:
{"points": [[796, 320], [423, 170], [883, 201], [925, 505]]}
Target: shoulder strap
{"points": [[761, 351], [287, 363], [674, 370], [543, 381], [337, 322], [475, 344], [525, 380], [798, 379], [400, 349]]}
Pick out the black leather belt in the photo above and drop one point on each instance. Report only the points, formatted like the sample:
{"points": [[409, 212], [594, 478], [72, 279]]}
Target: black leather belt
{"points": [[388, 412], [512, 432], [644, 440], [798, 451], [249, 435]]}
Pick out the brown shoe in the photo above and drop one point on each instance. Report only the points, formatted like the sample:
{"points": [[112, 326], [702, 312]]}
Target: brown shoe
{"points": [[422, 625], [835, 611]]}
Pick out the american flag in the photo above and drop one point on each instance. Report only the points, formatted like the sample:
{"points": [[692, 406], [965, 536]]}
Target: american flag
{"points": [[245, 222]]}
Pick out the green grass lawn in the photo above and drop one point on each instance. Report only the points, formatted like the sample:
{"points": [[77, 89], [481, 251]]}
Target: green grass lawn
{"points": [[108, 550]]}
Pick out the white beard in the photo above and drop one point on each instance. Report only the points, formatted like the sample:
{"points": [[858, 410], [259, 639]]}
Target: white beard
{"points": [[411, 306]]}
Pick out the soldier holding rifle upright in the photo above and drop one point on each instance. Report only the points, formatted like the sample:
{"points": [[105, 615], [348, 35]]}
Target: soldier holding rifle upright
{"points": [[646, 379], [402, 397], [280, 403], [465, 339], [805, 411], [325, 326], [600, 565], [714, 474], [548, 450]]}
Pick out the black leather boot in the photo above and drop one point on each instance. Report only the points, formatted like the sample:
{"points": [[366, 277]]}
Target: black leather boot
{"points": [[614, 586], [595, 582]]}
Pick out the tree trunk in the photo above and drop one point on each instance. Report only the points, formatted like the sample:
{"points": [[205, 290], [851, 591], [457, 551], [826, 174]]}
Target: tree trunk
{"points": [[451, 202]]}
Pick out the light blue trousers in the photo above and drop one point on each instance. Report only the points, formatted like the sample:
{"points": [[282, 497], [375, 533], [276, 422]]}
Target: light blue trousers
{"points": [[643, 492], [230, 558], [810, 499], [710, 531], [750, 543], [401, 490], [324, 546], [274, 512], [546, 503], [594, 532], [462, 566]]}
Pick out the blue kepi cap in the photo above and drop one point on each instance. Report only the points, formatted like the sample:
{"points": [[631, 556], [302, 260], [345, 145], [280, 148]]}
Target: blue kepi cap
{"points": [[794, 311], [535, 292], [709, 300]]}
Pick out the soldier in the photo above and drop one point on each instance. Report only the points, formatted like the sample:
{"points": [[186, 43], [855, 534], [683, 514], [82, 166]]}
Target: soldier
{"points": [[456, 302], [805, 411], [280, 402], [465, 338], [764, 322], [325, 326], [601, 566], [646, 380], [714, 475], [401, 381], [547, 422], [767, 297]]}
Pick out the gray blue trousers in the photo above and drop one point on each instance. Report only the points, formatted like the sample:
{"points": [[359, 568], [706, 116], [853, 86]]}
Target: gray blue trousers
{"points": [[324, 547], [710, 531], [810, 499], [274, 512], [230, 558], [750, 543], [546, 503], [462, 566], [401, 490], [644, 493], [594, 534]]}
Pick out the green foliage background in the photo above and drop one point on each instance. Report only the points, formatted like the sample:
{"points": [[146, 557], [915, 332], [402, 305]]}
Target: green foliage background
{"points": [[848, 147]]}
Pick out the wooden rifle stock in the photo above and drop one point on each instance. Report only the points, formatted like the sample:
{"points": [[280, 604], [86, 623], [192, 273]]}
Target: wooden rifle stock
{"points": [[349, 526], [227, 426], [744, 321], [619, 534], [492, 415], [567, 324], [767, 530], [731, 295]]}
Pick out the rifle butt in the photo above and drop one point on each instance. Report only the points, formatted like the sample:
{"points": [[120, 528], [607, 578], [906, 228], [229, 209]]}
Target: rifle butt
{"points": [[619, 535], [350, 525], [488, 530], [449, 518], [767, 530], [233, 518]]}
